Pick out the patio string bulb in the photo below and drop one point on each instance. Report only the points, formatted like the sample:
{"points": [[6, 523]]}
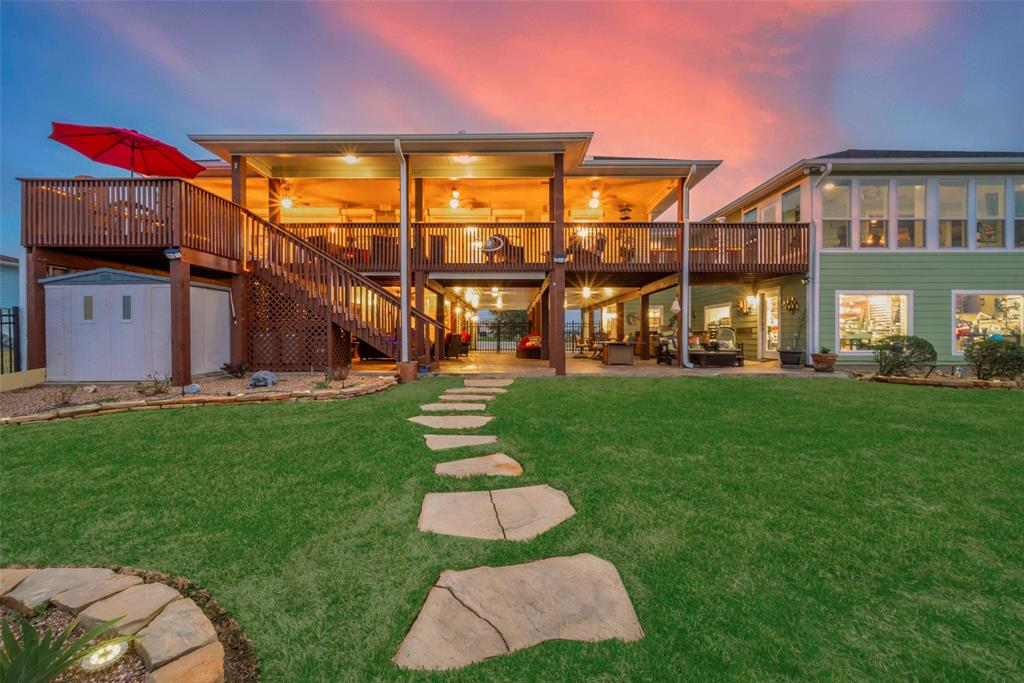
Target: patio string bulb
{"points": [[104, 656]]}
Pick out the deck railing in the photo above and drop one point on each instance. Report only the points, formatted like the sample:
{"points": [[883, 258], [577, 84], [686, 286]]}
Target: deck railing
{"points": [[482, 247], [748, 248], [368, 247], [622, 247]]}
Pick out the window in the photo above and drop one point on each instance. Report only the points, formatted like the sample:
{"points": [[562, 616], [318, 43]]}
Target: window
{"points": [[126, 308], [1018, 214], [912, 210], [835, 224], [750, 216], [791, 206], [655, 315], [720, 316], [87, 314], [768, 214], [980, 315], [990, 210], [874, 213], [867, 318], [953, 213]]}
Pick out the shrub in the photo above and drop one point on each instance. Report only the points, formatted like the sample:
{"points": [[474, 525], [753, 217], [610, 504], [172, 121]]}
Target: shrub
{"points": [[995, 358], [41, 657], [234, 370], [900, 354], [153, 385]]}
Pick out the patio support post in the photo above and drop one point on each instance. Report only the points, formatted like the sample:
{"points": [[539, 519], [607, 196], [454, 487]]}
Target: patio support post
{"points": [[683, 243], [620, 320], [419, 283], [545, 323], [556, 289], [181, 323], [239, 176], [274, 200], [403, 250], [240, 321], [645, 326], [35, 302]]}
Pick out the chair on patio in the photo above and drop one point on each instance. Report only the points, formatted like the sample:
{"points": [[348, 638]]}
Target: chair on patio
{"points": [[581, 347], [668, 349]]}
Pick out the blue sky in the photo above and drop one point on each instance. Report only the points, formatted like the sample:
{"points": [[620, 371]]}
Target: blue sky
{"points": [[758, 85]]}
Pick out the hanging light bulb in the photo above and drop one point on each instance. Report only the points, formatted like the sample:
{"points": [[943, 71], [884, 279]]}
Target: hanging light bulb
{"points": [[454, 201], [586, 292], [595, 200], [287, 202]]}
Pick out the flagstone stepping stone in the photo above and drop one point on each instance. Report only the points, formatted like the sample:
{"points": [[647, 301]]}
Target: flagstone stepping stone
{"points": [[491, 383], [516, 514], [440, 442], [136, 606], [476, 390], [476, 614], [205, 665], [465, 397], [37, 589], [452, 407], [494, 465], [80, 597], [179, 629], [9, 578], [452, 421]]}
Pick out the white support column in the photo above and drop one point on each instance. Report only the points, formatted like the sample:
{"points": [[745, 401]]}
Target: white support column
{"points": [[403, 249]]}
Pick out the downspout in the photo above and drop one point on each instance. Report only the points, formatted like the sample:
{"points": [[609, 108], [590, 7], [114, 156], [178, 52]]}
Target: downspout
{"points": [[403, 249], [684, 321], [813, 332]]}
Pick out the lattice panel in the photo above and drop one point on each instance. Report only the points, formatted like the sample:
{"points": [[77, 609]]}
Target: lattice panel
{"points": [[284, 335]]}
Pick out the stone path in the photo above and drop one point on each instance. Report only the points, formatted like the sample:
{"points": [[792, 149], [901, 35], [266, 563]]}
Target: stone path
{"points": [[494, 465], [516, 514], [454, 407], [452, 421], [480, 613], [174, 638], [472, 615]]}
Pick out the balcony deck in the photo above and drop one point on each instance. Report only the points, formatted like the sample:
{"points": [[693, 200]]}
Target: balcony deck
{"points": [[157, 213]]}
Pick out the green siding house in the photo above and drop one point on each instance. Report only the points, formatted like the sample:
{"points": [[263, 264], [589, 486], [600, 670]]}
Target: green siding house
{"points": [[903, 242]]}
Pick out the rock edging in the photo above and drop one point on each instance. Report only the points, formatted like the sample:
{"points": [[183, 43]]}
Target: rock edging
{"points": [[90, 409], [951, 382]]}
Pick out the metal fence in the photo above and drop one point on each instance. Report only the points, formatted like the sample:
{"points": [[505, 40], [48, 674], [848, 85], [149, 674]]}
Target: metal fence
{"points": [[494, 337], [10, 340]]}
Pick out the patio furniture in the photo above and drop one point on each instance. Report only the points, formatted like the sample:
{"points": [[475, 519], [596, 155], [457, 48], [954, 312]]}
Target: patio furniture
{"points": [[668, 350], [529, 347], [581, 347], [716, 359], [618, 353]]}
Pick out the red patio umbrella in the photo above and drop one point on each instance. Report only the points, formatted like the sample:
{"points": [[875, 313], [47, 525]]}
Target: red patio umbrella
{"points": [[127, 149]]}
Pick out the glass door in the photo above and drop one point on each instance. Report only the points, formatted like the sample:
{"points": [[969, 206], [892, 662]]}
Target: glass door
{"points": [[768, 332]]}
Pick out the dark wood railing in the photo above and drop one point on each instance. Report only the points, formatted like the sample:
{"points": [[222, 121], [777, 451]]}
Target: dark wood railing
{"points": [[622, 247], [482, 247], [369, 247], [748, 248]]}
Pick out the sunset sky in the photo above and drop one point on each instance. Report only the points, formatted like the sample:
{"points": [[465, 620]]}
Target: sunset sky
{"points": [[758, 85]]}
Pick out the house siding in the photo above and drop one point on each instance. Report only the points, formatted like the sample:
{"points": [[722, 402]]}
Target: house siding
{"points": [[9, 285], [932, 277], [792, 324]]}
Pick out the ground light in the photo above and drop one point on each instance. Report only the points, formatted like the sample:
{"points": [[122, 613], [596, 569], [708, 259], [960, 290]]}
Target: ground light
{"points": [[104, 656]]}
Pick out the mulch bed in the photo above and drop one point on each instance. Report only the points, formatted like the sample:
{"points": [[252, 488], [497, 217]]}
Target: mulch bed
{"points": [[241, 665]]}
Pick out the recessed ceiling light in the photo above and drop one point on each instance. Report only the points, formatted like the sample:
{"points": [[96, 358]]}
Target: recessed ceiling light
{"points": [[463, 158], [350, 158]]}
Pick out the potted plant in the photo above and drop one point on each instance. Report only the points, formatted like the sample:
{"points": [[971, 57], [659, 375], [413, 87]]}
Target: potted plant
{"points": [[824, 360], [793, 356]]}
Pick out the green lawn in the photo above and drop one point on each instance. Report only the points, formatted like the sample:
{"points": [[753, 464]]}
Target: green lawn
{"points": [[765, 528]]}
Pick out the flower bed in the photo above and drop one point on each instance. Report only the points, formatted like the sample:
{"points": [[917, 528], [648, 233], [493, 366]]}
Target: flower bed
{"points": [[352, 388]]}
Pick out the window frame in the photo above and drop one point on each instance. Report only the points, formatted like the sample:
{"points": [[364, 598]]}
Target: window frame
{"points": [[968, 193], [970, 292], [849, 218], [907, 180], [886, 183], [92, 309], [976, 218], [909, 293], [727, 305], [131, 309], [1012, 205], [782, 200]]}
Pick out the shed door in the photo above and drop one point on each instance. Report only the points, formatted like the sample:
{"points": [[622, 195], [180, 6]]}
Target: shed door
{"points": [[90, 333]]}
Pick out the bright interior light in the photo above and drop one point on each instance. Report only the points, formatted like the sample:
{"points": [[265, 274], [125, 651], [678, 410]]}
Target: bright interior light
{"points": [[830, 186], [104, 656], [287, 202], [608, 291], [453, 202], [350, 158], [586, 292], [455, 193], [594, 203]]}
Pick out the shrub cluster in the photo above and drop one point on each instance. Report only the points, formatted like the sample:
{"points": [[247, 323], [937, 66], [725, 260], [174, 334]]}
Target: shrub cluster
{"points": [[898, 355], [995, 358]]}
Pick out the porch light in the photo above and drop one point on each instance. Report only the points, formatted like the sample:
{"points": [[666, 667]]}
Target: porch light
{"points": [[104, 656], [350, 158], [454, 201], [586, 292], [830, 186], [287, 202], [595, 200]]}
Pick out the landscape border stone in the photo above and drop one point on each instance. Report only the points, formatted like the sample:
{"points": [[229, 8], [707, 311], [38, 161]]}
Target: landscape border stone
{"points": [[949, 382], [90, 409]]}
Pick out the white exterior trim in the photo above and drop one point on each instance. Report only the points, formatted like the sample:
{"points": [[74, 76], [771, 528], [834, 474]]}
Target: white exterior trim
{"points": [[967, 292], [909, 293]]}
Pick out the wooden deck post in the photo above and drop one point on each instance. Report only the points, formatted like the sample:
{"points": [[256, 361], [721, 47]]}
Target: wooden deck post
{"points": [[684, 313], [620, 320], [645, 326], [274, 200], [419, 283], [335, 350], [556, 290], [239, 178], [545, 323], [240, 324], [35, 316], [181, 323]]}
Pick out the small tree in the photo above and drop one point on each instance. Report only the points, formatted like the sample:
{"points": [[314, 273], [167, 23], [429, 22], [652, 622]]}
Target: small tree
{"points": [[995, 358]]}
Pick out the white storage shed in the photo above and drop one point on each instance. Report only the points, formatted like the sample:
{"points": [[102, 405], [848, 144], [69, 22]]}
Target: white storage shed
{"points": [[113, 325]]}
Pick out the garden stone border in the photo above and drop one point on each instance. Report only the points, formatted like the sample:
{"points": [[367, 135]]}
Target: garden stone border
{"points": [[90, 409], [954, 382], [241, 664]]}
